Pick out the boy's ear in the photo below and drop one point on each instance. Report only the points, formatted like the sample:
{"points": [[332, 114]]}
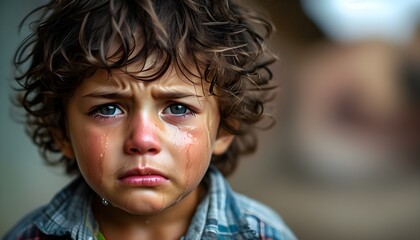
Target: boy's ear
{"points": [[223, 141], [63, 144]]}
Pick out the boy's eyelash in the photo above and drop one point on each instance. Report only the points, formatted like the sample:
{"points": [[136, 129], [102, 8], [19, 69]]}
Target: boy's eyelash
{"points": [[94, 111], [102, 117], [191, 113], [191, 110]]}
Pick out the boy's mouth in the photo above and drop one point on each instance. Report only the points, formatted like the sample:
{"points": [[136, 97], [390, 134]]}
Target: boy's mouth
{"points": [[143, 177]]}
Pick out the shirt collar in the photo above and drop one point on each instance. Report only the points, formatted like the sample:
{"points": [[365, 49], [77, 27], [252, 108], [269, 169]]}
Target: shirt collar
{"points": [[69, 213], [219, 214]]}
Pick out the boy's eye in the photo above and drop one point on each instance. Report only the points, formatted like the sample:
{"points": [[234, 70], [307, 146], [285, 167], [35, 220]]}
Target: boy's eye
{"points": [[177, 109], [109, 110]]}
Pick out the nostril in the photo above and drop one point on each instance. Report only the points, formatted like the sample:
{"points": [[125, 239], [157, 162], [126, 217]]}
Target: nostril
{"points": [[138, 151], [134, 150]]}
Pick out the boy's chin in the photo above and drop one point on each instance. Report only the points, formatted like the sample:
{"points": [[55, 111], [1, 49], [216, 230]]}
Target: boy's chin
{"points": [[144, 206]]}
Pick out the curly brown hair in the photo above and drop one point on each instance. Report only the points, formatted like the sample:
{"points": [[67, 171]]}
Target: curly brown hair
{"points": [[70, 40]]}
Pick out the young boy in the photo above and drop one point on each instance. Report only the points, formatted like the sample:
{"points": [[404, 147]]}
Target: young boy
{"points": [[151, 103]]}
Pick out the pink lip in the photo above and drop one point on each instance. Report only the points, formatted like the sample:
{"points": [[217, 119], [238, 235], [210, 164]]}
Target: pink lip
{"points": [[143, 177]]}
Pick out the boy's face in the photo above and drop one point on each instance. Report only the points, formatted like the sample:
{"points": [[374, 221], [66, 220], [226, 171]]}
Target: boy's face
{"points": [[143, 146]]}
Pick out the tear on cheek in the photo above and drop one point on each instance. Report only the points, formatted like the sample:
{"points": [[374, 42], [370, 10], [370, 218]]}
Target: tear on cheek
{"points": [[92, 156], [199, 150]]}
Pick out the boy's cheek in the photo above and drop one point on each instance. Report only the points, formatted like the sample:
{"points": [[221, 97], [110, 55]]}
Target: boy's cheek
{"points": [[91, 147], [192, 159], [198, 149]]}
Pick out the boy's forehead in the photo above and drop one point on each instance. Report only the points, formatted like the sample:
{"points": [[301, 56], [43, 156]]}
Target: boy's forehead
{"points": [[123, 79]]}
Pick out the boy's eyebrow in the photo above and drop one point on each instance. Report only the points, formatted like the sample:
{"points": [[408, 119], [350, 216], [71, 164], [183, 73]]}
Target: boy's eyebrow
{"points": [[160, 94], [106, 94], [173, 94]]}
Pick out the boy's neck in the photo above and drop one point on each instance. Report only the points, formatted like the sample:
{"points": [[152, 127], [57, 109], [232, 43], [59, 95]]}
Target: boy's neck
{"points": [[172, 223]]}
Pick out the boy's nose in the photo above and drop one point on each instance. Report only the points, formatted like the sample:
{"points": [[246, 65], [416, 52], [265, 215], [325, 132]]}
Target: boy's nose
{"points": [[143, 136]]}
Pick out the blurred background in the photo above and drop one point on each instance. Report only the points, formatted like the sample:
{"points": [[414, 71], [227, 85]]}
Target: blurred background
{"points": [[343, 161]]}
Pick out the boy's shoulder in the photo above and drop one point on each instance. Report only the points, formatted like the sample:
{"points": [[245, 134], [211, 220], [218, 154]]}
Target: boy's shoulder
{"points": [[25, 228], [59, 218]]}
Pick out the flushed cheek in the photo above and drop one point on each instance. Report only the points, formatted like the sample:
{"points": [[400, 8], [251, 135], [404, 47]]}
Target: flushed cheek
{"points": [[196, 154], [91, 153]]}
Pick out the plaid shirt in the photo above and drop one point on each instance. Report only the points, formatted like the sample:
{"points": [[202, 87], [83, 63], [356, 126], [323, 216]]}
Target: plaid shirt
{"points": [[222, 214]]}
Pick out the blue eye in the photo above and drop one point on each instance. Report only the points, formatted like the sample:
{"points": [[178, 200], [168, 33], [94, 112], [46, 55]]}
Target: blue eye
{"points": [[177, 109], [109, 110]]}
